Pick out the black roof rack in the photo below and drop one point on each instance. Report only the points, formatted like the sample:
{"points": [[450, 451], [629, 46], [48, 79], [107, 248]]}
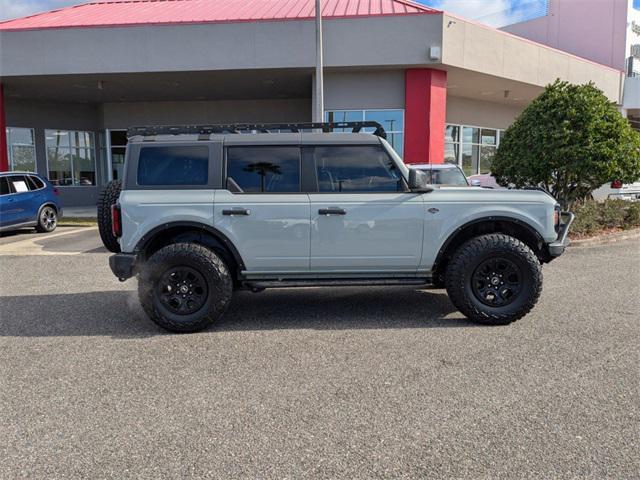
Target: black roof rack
{"points": [[326, 127]]}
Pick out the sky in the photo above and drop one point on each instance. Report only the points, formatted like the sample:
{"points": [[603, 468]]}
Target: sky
{"points": [[492, 12]]}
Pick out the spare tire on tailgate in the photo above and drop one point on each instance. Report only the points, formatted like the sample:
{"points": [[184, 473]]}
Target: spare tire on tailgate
{"points": [[108, 196]]}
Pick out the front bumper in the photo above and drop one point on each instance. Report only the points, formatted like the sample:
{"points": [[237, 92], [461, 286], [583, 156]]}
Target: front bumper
{"points": [[558, 247], [123, 265]]}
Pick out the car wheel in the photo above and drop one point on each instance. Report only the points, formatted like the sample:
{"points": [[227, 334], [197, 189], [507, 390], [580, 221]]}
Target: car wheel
{"points": [[494, 279], [185, 287], [47, 219], [108, 196]]}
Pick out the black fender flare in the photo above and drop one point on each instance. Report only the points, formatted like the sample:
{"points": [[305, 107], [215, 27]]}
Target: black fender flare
{"points": [[217, 234], [492, 218]]}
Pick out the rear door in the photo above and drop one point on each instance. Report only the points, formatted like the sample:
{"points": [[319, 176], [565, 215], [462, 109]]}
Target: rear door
{"points": [[263, 210], [362, 217], [21, 201]]}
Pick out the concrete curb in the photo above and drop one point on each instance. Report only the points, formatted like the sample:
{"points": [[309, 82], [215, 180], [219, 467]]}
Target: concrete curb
{"points": [[607, 238]]}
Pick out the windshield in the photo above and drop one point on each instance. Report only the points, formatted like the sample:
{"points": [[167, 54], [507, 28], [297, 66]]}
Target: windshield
{"points": [[447, 176]]}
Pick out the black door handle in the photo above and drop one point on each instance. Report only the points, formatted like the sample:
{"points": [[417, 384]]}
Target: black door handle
{"points": [[236, 211], [332, 211]]}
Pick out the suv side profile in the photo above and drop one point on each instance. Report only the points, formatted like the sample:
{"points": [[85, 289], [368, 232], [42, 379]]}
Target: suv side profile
{"points": [[28, 200], [206, 210]]}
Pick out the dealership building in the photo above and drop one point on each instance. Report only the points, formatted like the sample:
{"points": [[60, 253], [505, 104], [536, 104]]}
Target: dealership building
{"points": [[444, 88]]}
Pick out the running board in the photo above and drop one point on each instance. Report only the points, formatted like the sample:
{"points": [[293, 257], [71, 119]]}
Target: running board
{"points": [[343, 282]]}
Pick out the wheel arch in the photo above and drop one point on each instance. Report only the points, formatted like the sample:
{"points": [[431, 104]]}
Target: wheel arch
{"points": [[494, 224], [189, 231], [48, 204]]}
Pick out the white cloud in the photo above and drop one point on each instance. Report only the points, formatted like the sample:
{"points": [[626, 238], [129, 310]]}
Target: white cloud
{"points": [[21, 8], [496, 13]]}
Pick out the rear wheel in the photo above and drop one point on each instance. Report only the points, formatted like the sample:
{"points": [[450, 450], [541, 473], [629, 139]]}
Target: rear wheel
{"points": [[494, 279], [185, 287], [47, 219], [108, 196]]}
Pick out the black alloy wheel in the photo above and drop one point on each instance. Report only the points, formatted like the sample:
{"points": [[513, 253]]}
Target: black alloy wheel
{"points": [[182, 290], [497, 282]]}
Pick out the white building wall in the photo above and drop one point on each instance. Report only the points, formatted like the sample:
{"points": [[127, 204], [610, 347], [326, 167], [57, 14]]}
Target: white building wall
{"points": [[592, 29]]}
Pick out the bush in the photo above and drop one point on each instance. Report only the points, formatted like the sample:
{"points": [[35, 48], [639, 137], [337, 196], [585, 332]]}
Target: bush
{"points": [[632, 219], [570, 140], [587, 221], [593, 217], [612, 213]]}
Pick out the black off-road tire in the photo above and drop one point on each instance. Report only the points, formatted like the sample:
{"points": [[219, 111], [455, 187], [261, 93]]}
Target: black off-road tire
{"points": [[108, 196], [209, 267], [475, 253]]}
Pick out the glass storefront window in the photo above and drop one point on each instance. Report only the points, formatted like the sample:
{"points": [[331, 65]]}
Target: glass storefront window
{"points": [[470, 157], [391, 120], [451, 152], [489, 136], [70, 157], [451, 133], [118, 142], [470, 135], [486, 156], [472, 148], [21, 149]]}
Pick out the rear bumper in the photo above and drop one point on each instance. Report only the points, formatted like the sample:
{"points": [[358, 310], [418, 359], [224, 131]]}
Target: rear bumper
{"points": [[123, 265], [558, 247]]}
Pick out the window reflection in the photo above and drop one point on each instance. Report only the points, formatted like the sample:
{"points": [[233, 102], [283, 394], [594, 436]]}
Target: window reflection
{"points": [[70, 157], [21, 149], [391, 120], [264, 169]]}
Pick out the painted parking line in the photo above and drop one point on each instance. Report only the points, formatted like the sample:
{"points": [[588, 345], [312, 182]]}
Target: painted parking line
{"points": [[75, 242]]}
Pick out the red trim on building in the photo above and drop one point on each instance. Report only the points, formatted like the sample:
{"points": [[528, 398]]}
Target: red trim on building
{"points": [[4, 153], [424, 115]]}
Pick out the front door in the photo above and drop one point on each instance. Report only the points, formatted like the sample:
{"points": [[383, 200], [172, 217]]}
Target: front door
{"points": [[263, 211], [362, 218]]}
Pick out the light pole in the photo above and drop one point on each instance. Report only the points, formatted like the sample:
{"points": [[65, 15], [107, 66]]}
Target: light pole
{"points": [[319, 110]]}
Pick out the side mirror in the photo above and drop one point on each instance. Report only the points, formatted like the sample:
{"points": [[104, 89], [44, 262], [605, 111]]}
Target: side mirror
{"points": [[476, 183], [418, 181]]}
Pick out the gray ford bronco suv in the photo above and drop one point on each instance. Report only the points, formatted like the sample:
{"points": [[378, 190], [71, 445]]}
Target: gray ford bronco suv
{"points": [[203, 211]]}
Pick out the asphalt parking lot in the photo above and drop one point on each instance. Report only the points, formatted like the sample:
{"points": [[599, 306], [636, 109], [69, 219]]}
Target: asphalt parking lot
{"points": [[315, 383]]}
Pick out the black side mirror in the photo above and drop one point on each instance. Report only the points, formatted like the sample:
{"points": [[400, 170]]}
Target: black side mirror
{"points": [[418, 181]]}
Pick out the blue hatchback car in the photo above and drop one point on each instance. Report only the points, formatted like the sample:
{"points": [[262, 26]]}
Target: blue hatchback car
{"points": [[28, 200]]}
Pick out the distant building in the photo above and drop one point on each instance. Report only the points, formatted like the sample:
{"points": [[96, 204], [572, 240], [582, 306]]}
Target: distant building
{"points": [[607, 32], [443, 87]]}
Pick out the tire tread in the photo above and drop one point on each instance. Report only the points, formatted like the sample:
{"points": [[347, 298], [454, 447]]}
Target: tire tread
{"points": [[220, 289], [462, 262]]}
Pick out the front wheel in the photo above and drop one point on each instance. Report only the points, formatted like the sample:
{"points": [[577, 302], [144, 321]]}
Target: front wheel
{"points": [[47, 219], [494, 279], [185, 287]]}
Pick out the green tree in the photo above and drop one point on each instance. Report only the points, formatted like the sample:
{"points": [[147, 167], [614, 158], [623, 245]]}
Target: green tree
{"points": [[570, 140]]}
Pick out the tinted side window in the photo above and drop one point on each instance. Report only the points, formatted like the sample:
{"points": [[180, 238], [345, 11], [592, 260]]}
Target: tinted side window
{"points": [[18, 183], [34, 182], [176, 165], [4, 186], [264, 169], [356, 169]]}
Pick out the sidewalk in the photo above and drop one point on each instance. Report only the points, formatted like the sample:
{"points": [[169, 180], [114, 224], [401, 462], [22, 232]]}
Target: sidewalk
{"points": [[83, 212]]}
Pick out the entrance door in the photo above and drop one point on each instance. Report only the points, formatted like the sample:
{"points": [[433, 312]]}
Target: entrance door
{"points": [[116, 145], [263, 211], [362, 218]]}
